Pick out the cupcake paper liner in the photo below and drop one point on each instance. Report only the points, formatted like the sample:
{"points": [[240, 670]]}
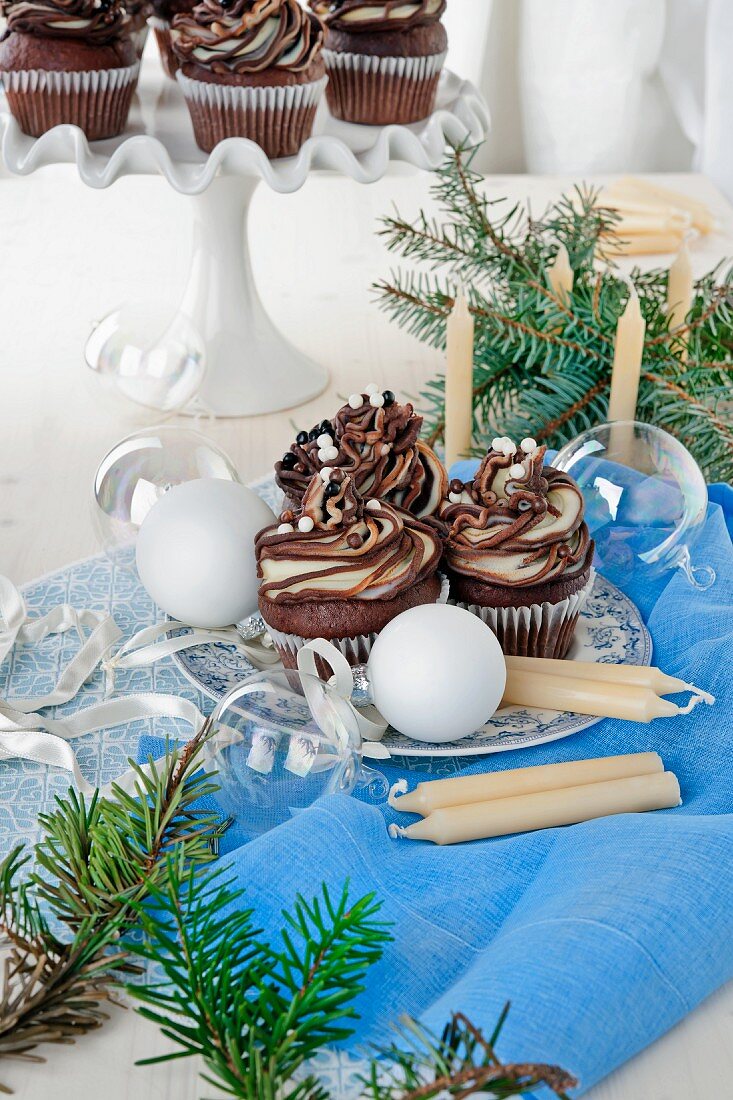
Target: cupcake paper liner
{"points": [[280, 119], [97, 102], [540, 630], [356, 650], [379, 91], [161, 28]]}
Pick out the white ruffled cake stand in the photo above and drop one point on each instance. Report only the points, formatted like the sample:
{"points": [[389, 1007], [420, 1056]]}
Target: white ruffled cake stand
{"points": [[250, 367]]}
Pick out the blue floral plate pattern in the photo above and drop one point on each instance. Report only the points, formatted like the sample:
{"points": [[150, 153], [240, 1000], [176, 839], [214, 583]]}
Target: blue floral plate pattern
{"points": [[610, 630]]}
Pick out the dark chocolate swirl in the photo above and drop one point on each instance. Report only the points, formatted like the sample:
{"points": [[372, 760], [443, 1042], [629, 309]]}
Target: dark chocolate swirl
{"points": [[339, 546], [95, 21], [356, 16], [519, 522], [248, 36], [375, 440]]}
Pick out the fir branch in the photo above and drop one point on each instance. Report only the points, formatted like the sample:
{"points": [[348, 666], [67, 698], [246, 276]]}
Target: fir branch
{"points": [[52, 992], [98, 857], [256, 1014], [93, 866], [461, 1063], [543, 366]]}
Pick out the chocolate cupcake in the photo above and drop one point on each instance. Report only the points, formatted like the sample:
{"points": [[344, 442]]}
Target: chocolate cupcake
{"points": [[375, 440], [384, 58], [251, 69], [518, 551], [68, 61], [341, 567], [160, 22]]}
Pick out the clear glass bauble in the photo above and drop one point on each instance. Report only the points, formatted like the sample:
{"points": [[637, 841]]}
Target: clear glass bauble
{"points": [[645, 500], [153, 362], [138, 471], [282, 740]]}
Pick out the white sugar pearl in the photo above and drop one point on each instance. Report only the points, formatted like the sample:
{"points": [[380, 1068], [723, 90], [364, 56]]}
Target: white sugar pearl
{"points": [[325, 440], [496, 444], [323, 455], [454, 498], [528, 445], [376, 401], [373, 506], [386, 448], [517, 470], [372, 388], [509, 448], [285, 529], [356, 401], [326, 474], [330, 454], [305, 524]]}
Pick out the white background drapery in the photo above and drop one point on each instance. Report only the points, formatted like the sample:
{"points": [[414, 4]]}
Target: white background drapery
{"points": [[596, 86]]}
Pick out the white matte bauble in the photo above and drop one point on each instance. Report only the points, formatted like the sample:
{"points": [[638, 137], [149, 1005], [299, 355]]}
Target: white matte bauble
{"points": [[437, 673], [195, 552]]}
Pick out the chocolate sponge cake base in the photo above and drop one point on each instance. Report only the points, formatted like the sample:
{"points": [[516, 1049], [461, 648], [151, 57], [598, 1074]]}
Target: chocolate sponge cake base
{"points": [[346, 618], [227, 105], [415, 42], [382, 79], [485, 594], [59, 91]]}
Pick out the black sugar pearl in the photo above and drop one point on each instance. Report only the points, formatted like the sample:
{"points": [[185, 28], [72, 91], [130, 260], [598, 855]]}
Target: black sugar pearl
{"points": [[389, 398], [332, 489], [301, 439], [314, 433], [456, 486], [326, 426], [289, 461]]}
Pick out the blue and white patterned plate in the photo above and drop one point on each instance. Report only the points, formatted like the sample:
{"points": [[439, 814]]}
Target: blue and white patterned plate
{"points": [[610, 630]]}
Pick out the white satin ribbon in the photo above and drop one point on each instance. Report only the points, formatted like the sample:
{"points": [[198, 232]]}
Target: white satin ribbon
{"points": [[46, 741], [27, 735], [144, 649], [372, 726], [18, 629]]}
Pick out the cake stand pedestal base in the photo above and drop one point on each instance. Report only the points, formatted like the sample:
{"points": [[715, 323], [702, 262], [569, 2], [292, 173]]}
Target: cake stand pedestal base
{"points": [[250, 368]]}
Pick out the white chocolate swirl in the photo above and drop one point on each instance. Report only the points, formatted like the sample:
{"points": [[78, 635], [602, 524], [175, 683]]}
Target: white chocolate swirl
{"points": [[518, 523], [339, 546]]}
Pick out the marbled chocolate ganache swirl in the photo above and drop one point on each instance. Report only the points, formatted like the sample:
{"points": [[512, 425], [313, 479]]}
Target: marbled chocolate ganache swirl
{"points": [[94, 21], [375, 440], [248, 36], [518, 523], [339, 546], [378, 15]]}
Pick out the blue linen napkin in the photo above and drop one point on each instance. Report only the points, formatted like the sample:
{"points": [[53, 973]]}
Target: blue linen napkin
{"points": [[602, 935]]}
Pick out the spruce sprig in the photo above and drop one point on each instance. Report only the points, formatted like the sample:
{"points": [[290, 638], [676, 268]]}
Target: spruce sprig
{"points": [[255, 1013], [461, 1063], [96, 861], [53, 991], [543, 366]]}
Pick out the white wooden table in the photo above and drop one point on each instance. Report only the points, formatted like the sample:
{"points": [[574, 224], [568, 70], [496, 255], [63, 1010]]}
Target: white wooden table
{"points": [[69, 255]]}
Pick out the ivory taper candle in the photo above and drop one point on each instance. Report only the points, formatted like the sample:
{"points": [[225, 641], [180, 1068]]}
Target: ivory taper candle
{"points": [[680, 291], [466, 789], [560, 275], [652, 193], [643, 676], [545, 809], [628, 352], [644, 244], [459, 381], [603, 700]]}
